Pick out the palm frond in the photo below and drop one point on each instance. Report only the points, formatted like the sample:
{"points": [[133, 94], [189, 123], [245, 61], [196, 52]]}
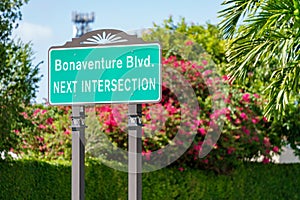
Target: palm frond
{"points": [[234, 13], [268, 39]]}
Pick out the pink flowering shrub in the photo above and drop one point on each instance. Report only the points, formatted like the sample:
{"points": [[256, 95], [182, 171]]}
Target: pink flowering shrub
{"points": [[49, 137], [244, 133]]}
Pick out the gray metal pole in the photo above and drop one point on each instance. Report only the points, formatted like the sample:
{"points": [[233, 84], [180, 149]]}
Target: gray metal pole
{"points": [[134, 152], [78, 142]]}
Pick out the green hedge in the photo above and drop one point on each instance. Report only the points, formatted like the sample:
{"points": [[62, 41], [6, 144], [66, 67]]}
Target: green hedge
{"points": [[37, 180]]}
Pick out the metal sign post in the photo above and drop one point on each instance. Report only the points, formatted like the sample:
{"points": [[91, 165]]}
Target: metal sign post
{"points": [[78, 142], [134, 152]]}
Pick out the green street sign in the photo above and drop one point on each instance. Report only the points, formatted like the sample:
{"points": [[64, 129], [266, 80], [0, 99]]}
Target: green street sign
{"points": [[105, 74]]}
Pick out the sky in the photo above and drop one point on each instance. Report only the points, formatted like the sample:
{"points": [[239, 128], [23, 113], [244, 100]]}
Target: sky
{"points": [[49, 23]]}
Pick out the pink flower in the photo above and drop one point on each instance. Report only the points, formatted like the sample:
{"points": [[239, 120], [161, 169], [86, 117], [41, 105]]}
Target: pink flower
{"points": [[111, 122], [44, 111], [153, 127], [204, 62], [200, 122], [197, 74], [148, 116], [265, 119], [228, 117], [67, 132], [199, 67], [49, 120], [197, 147], [181, 169], [227, 100], [202, 131], [243, 116], [42, 148], [276, 149], [267, 141], [246, 97], [245, 130], [105, 108], [176, 64], [147, 154], [36, 112], [205, 161], [207, 72], [209, 81], [188, 43], [256, 95], [171, 109], [255, 120], [40, 139], [42, 126], [25, 115], [225, 77], [238, 121], [266, 160], [237, 137]]}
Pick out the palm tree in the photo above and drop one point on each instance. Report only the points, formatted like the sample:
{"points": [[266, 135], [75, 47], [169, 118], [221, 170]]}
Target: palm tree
{"points": [[264, 37]]}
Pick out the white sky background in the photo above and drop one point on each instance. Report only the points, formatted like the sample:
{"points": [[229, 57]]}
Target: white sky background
{"points": [[48, 23]]}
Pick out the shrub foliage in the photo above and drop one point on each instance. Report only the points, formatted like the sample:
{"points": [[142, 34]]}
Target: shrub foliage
{"points": [[37, 180]]}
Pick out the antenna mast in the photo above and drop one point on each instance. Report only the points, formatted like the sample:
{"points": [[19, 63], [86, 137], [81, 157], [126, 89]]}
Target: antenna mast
{"points": [[81, 23]]}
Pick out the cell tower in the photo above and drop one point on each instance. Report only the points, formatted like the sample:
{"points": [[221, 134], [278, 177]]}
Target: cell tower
{"points": [[82, 21]]}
